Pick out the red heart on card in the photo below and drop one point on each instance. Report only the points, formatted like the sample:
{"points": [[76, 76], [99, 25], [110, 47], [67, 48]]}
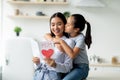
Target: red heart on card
{"points": [[47, 53]]}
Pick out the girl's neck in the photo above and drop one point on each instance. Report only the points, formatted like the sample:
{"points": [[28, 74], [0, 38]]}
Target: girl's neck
{"points": [[74, 34]]}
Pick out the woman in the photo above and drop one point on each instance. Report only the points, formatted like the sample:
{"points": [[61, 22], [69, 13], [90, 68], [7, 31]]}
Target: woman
{"points": [[51, 68]]}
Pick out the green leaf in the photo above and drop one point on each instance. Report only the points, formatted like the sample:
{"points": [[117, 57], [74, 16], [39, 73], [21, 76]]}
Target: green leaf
{"points": [[17, 29]]}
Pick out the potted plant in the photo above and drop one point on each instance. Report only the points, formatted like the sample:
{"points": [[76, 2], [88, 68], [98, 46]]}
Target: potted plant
{"points": [[17, 29], [66, 14]]}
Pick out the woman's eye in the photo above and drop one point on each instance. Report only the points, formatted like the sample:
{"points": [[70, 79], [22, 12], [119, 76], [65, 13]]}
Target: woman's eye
{"points": [[52, 24], [59, 24]]}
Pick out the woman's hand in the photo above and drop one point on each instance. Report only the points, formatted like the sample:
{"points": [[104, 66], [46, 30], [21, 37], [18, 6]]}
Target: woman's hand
{"points": [[50, 62], [36, 60]]}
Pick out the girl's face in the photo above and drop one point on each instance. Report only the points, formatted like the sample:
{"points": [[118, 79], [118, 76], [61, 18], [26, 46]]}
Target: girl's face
{"points": [[69, 27], [57, 26]]}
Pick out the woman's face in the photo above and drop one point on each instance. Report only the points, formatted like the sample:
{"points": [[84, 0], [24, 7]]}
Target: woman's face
{"points": [[57, 26], [69, 27]]}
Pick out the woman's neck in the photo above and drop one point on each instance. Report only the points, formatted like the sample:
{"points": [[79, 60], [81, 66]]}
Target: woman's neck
{"points": [[58, 36]]}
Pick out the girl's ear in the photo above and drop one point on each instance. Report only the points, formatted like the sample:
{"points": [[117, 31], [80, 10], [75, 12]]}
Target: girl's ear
{"points": [[76, 30]]}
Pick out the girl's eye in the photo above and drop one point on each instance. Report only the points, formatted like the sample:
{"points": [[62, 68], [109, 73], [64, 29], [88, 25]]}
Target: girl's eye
{"points": [[68, 24]]}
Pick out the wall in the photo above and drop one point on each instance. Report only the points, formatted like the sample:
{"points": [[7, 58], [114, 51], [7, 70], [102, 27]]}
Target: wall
{"points": [[104, 21], [0, 40], [0, 24]]}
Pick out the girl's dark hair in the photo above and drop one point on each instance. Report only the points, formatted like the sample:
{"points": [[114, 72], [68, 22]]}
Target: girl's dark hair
{"points": [[79, 22], [62, 17]]}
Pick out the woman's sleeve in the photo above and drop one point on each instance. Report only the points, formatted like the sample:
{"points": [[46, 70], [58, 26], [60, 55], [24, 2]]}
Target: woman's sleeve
{"points": [[68, 62]]}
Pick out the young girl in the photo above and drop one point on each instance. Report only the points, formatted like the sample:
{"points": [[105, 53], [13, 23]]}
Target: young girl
{"points": [[74, 27], [50, 69]]}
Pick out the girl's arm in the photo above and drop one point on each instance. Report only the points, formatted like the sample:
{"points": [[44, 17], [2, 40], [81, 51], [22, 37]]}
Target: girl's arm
{"points": [[71, 52], [48, 36]]}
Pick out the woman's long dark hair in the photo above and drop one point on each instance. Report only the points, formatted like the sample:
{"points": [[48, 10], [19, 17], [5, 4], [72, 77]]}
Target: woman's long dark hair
{"points": [[79, 22], [62, 17]]}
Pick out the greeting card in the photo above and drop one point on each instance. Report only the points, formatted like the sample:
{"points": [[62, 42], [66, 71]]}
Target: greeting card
{"points": [[47, 49]]}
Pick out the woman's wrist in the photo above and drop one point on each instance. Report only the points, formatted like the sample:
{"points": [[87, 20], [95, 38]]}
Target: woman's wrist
{"points": [[53, 64]]}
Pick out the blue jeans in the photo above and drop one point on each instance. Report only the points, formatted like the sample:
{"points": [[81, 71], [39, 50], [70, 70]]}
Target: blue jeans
{"points": [[79, 72], [42, 73]]}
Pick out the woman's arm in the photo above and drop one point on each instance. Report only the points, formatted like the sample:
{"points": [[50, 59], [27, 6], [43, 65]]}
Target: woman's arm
{"points": [[67, 63], [50, 62], [36, 60], [64, 67]]}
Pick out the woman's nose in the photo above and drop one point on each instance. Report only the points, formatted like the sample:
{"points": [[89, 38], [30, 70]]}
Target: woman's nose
{"points": [[56, 26]]}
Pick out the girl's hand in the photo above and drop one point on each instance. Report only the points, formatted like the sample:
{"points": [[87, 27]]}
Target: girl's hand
{"points": [[36, 60], [50, 62], [57, 43], [56, 40]]}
